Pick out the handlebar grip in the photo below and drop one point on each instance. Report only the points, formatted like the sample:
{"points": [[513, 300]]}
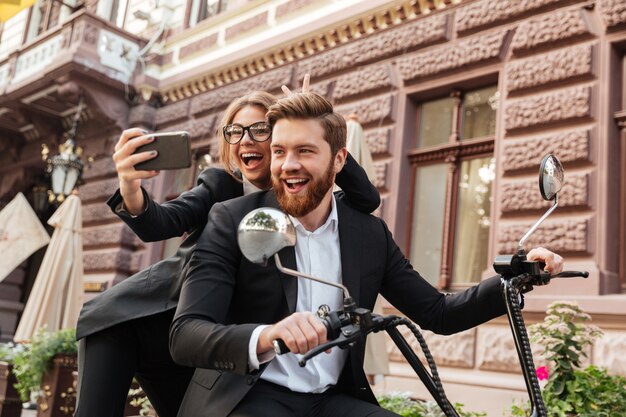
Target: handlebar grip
{"points": [[542, 265], [280, 347]]}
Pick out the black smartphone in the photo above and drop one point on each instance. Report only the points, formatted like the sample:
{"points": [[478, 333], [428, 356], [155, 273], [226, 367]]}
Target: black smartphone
{"points": [[174, 152]]}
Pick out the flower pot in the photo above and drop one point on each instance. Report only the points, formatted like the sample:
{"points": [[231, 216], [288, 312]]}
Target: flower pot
{"points": [[10, 404], [57, 397]]}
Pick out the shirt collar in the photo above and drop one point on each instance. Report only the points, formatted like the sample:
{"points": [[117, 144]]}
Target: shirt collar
{"points": [[332, 221], [248, 187]]}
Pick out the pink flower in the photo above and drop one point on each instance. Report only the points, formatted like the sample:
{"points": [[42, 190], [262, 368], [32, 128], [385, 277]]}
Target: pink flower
{"points": [[542, 373]]}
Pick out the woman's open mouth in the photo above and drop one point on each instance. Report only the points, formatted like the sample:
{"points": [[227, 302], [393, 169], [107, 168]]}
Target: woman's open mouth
{"points": [[251, 160]]}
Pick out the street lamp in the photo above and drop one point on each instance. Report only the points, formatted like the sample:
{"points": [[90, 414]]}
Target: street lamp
{"points": [[66, 168], [40, 199]]}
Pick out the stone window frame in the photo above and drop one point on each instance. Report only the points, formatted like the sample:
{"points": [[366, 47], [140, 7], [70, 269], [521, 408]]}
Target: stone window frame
{"points": [[453, 154], [617, 137], [620, 120]]}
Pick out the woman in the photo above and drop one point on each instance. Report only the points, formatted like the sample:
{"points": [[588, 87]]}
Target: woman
{"points": [[124, 331]]}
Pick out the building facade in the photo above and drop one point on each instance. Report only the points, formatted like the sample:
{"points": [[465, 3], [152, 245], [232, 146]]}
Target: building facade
{"points": [[459, 100]]}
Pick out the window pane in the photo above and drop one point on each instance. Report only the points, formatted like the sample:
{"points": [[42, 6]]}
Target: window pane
{"points": [[479, 113], [203, 9], [473, 219], [215, 6], [120, 12], [436, 122], [427, 229]]}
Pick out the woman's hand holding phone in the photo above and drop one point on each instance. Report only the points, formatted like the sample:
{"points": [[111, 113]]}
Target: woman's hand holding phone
{"points": [[125, 161]]}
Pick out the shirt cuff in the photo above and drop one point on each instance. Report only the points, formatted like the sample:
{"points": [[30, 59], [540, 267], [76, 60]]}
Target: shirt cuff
{"points": [[121, 208], [254, 360]]}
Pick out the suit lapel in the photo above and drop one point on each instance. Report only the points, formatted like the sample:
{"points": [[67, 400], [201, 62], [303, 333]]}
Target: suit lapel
{"points": [[290, 283], [288, 259], [351, 246]]}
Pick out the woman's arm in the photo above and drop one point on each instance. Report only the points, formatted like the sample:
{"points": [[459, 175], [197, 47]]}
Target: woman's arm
{"points": [[182, 214], [357, 190]]}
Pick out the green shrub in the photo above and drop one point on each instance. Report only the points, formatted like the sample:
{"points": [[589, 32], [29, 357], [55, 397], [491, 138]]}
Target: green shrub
{"points": [[33, 361], [9, 350], [402, 404], [138, 398], [570, 391]]}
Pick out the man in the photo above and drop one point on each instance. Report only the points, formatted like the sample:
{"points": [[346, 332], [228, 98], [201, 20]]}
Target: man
{"points": [[230, 310]]}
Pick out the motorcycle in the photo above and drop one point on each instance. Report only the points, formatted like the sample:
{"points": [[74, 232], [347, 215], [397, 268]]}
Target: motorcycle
{"points": [[265, 231]]}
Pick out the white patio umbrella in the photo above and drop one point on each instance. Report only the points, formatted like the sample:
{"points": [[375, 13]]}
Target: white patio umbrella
{"points": [[376, 358], [56, 297], [357, 146], [21, 234]]}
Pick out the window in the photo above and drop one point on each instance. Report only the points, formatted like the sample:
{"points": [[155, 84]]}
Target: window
{"points": [[453, 172], [203, 9], [113, 10], [46, 14]]}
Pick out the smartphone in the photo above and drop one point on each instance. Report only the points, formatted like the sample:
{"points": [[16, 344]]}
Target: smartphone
{"points": [[174, 152]]}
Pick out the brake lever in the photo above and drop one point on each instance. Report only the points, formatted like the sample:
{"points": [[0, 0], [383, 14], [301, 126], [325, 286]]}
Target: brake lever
{"points": [[571, 274], [342, 342]]}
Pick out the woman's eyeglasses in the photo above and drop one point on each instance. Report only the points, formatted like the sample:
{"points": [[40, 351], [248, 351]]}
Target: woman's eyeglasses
{"points": [[259, 132]]}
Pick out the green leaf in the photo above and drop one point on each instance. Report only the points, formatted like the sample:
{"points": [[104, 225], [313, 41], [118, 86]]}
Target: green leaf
{"points": [[30, 364]]}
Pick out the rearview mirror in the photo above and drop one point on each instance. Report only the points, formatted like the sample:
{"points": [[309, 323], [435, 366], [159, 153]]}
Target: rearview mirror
{"points": [[550, 177], [263, 232]]}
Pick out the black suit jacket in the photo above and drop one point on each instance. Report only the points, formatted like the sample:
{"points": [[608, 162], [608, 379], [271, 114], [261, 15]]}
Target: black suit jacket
{"points": [[224, 297], [155, 289]]}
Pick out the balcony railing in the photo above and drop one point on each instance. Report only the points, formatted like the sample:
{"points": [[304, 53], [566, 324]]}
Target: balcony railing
{"points": [[84, 43]]}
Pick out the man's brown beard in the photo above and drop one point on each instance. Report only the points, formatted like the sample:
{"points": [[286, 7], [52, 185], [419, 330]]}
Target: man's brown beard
{"points": [[299, 206]]}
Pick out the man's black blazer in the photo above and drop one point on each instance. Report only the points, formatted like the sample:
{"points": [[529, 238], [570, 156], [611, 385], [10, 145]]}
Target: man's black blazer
{"points": [[224, 297], [155, 289]]}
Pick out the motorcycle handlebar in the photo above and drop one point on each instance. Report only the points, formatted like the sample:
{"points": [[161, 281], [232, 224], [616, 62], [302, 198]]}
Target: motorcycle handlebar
{"points": [[334, 321]]}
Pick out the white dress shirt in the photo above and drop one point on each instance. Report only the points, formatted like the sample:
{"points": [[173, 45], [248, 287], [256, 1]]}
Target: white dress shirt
{"points": [[317, 254], [248, 187]]}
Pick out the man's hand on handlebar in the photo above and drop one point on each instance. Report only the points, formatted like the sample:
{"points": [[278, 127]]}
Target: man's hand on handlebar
{"points": [[553, 262], [300, 332]]}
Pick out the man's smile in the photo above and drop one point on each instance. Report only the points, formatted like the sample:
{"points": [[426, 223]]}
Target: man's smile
{"points": [[295, 184]]}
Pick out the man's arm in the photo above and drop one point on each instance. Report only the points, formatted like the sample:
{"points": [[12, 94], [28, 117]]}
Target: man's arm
{"points": [[357, 190], [447, 313], [430, 309], [198, 337]]}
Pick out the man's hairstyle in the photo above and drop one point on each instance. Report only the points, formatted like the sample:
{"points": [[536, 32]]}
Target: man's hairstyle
{"points": [[306, 106], [259, 99]]}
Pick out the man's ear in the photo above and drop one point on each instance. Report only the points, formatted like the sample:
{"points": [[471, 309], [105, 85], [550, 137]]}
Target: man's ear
{"points": [[340, 159]]}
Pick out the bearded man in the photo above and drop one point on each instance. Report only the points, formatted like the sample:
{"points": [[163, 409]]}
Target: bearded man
{"points": [[230, 310]]}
